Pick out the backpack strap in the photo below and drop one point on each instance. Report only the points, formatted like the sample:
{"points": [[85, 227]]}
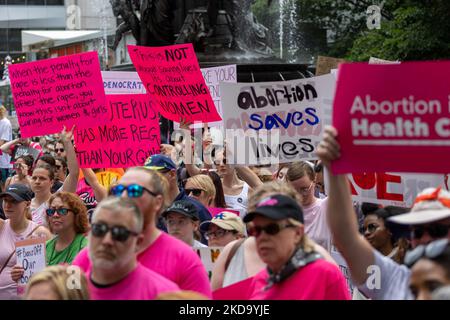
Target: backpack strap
{"points": [[233, 250]]}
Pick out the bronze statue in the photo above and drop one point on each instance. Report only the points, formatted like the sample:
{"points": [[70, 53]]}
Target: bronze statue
{"points": [[124, 8]]}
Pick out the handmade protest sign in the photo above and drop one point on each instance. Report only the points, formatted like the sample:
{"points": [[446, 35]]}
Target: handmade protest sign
{"points": [[267, 122], [21, 151], [324, 64], [343, 267], [122, 82], [49, 94], [107, 178], [172, 77], [393, 117], [209, 256], [130, 137], [30, 255]]}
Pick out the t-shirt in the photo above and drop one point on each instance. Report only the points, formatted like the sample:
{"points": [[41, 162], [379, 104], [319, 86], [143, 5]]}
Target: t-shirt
{"points": [[66, 255], [394, 281], [87, 195], [172, 259], [6, 135], [319, 280], [316, 226], [139, 284]]}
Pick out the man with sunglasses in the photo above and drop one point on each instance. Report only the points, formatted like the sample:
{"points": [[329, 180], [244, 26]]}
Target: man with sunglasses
{"points": [[377, 276], [158, 251], [114, 239]]}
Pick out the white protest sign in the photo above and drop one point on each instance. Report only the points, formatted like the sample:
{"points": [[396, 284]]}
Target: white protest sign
{"points": [[209, 256], [30, 255], [295, 112], [374, 60], [335, 254], [122, 82], [390, 189]]}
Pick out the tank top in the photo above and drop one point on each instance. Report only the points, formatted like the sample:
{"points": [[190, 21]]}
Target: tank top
{"points": [[38, 214], [239, 202], [8, 238], [236, 269]]}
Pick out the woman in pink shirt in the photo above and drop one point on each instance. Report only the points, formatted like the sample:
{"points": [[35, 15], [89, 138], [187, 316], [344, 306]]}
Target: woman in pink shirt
{"points": [[295, 270]]}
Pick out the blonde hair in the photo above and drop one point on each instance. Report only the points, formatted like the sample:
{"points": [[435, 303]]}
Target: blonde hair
{"points": [[3, 111], [58, 278], [205, 183], [299, 169], [275, 187]]}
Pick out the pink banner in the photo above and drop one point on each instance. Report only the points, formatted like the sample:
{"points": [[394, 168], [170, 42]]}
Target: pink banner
{"points": [[216, 211], [172, 77], [60, 91], [239, 291], [130, 137], [393, 117]]}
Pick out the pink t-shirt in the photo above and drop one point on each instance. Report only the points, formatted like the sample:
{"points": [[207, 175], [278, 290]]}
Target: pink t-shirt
{"points": [[319, 280], [316, 226], [140, 284], [171, 258]]}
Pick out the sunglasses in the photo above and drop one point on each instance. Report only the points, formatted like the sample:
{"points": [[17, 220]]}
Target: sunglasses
{"points": [[17, 165], [195, 192], [434, 230], [133, 190], [271, 229], [61, 211], [371, 227], [59, 150], [431, 251], [118, 233]]}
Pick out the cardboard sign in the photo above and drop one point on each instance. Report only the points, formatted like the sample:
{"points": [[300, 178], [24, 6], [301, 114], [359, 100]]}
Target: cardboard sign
{"points": [[324, 64], [393, 117], [130, 137], [122, 82], [21, 151], [55, 92], [107, 178], [172, 77], [241, 290], [296, 110], [216, 211], [209, 256], [30, 255]]}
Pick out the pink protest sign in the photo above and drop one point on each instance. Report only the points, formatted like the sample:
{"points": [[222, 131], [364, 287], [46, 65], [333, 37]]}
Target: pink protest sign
{"points": [[60, 91], [216, 211], [393, 117], [172, 77], [130, 137]]}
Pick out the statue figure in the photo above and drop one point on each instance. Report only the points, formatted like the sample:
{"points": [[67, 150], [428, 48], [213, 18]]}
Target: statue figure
{"points": [[156, 22], [124, 8], [8, 61]]}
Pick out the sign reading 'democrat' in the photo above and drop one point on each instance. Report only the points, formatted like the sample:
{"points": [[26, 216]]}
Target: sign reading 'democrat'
{"points": [[130, 137], [298, 109], [393, 117], [49, 94], [122, 82], [172, 77], [30, 255]]}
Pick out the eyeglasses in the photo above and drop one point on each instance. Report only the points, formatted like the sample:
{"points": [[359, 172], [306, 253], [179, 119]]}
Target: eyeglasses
{"points": [[305, 191], [217, 234], [431, 251], [435, 230], [61, 211], [371, 227], [195, 192], [17, 165], [133, 190], [271, 229], [59, 150], [118, 233]]}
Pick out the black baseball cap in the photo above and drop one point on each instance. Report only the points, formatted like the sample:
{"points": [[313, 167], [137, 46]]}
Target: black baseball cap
{"points": [[277, 207], [183, 207], [19, 192]]}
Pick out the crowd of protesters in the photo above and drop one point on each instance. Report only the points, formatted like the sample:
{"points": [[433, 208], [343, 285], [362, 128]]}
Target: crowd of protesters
{"points": [[276, 227]]}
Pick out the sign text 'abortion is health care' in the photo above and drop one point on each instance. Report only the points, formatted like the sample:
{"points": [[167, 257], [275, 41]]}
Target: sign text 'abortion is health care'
{"points": [[393, 117], [172, 77], [49, 94]]}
